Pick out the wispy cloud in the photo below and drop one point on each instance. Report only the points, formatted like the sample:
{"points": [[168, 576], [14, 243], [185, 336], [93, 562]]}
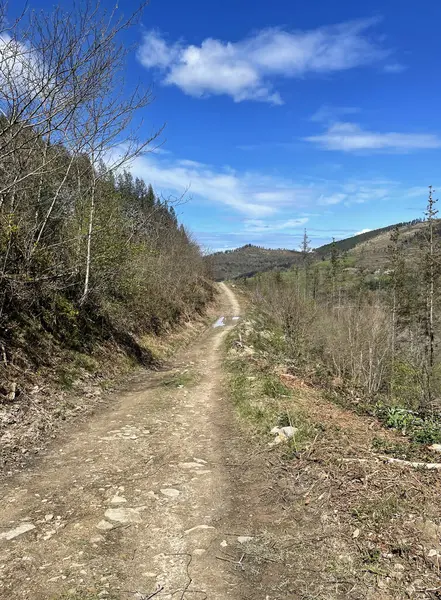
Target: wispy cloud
{"points": [[252, 194], [394, 68], [266, 201], [245, 69], [351, 137], [270, 226], [330, 114], [332, 199]]}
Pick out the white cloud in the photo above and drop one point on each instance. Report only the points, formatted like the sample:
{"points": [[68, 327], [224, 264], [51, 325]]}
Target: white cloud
{"points": [[244, 69], [350, 137], [267, 202], [21, 66], [260, 225], [394, 68], [328, 113], [252, 194], [362, 231], [336, 198]]}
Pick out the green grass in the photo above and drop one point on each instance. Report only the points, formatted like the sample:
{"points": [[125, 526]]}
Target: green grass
{"points": [[86, 362], [67, 376], [183, 379], [259, 397]]}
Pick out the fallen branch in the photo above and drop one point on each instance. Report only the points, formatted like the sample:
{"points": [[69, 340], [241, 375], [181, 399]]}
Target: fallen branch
{"points": [[408, 463], [143, 596], [155, 593], [233, 560]]}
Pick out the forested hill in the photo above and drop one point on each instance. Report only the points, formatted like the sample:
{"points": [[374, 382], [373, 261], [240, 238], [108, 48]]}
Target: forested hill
{"points": [[368, 246], [350, 242], [249, 260], [90, 256]]}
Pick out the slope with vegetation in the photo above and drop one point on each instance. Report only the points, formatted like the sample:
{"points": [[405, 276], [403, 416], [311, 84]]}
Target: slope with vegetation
{"points": [[343, 513], [366, 251], [372, 339], [336, 374], [89, 256], [248, 260], [352, 242]]}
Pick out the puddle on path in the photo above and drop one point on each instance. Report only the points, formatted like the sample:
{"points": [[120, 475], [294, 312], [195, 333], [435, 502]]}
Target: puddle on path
{"points": [[220, 322]]}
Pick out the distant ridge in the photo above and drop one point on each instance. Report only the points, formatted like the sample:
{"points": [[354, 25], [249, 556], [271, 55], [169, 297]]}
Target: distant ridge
{"points": [[249, 259]]}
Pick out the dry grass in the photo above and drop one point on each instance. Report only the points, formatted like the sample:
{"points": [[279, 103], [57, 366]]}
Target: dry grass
{"points": [[340, 522]]}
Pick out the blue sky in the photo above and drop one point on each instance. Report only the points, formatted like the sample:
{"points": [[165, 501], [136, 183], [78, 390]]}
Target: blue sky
{"points": [[283, 115]]}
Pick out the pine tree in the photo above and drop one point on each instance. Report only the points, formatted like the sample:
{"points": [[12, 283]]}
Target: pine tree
{"points": [[335, 268], [397, 268], [431, 274], [150, 199], [305, 249], [315, 281]]}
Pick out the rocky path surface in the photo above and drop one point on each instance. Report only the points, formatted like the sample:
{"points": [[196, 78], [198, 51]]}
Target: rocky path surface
{"points": [[136, 501]]}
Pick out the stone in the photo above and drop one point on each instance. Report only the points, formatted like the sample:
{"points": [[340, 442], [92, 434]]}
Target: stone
{"points": [[170, 492], [116, 500], [243, 539], [123, 515], [14, 533], [283, 434], [287, 431], [104, 525], [197, 528], [48, 518], [97, 539]]}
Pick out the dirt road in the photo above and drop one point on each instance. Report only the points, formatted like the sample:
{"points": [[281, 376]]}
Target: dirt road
{"points": [[135, 501]]}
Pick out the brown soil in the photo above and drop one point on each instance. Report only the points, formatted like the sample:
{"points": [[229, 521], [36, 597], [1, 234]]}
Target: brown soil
{"points": [[134, 500], [164, 493]]}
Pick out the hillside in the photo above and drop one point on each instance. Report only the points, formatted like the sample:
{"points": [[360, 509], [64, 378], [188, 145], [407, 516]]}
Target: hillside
{"points": [[93, 261], [371, 254], [249, 260], [367, 251], [349, 243]]}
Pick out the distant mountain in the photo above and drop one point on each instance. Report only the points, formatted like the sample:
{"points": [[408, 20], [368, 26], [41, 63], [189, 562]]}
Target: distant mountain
{"points": [[249, 260], [369, 251]]}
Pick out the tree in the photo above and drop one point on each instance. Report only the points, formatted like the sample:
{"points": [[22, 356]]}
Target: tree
{"points": [[431, 275], [305, 249], [150, 198], [335, 269], [397, 270]]}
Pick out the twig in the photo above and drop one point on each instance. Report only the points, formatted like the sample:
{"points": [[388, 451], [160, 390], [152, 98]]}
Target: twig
{"points": [[155, 593], [190, 579], [408, 463], [5, 360], [143, 596], [234, 562]]}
